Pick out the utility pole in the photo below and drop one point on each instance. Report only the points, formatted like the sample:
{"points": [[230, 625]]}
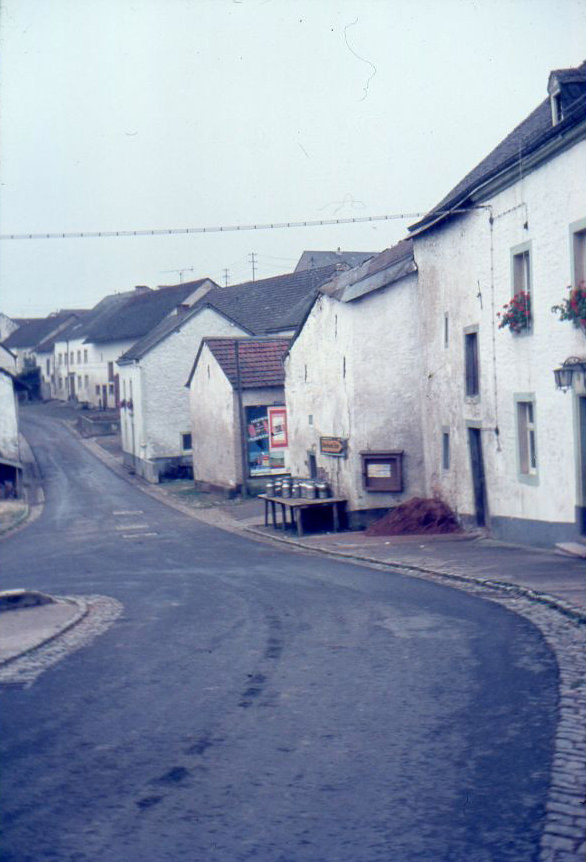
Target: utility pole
{"points": [[226, 277], [252, 257]]}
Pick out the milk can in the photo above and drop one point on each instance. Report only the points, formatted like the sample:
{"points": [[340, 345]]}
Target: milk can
{"points": [[270, 488], [310, 490], [295, 489], [278, 487], [286, 488], [323, 492]]}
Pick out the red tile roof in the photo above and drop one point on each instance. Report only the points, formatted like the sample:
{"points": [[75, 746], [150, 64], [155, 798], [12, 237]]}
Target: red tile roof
{"points": [[260, 360]]}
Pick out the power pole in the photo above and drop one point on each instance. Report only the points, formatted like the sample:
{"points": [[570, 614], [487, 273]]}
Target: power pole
{"points": [[226, 277], [252, 257]]}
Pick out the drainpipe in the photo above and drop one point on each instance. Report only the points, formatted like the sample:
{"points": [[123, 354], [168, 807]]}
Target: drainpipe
{"points": [[243, 446]]}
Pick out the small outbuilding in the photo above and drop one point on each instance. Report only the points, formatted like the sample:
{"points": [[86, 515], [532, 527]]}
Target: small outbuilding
{"points": [[238, 414]]}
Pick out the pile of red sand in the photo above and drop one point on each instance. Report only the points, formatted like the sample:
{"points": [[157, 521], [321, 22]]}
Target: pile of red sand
{"points": [[417, 515]]}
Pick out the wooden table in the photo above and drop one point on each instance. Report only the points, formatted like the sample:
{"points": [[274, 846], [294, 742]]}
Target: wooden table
{"points": [[297, 506]]}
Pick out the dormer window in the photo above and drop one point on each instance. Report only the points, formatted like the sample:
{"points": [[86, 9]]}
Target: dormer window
{"points": [[556, 107]]}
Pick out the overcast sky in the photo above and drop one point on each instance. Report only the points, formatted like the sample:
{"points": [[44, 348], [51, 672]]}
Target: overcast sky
{"points": [[167, 114]]}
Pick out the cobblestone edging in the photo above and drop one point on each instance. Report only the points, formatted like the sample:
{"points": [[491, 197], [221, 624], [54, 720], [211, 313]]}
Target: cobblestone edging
{"points": [[97, 613], [564, 629]]}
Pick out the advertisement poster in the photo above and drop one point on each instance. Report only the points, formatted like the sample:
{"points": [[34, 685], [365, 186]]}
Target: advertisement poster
{"points": [[266, 439]]}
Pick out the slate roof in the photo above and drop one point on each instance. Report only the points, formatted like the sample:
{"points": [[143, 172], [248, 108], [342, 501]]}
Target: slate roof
{"points": [[139, 313], [528, 137], [316, 259], [35, 331], [171, 323], [263, 307], [260, 360], [271, 305]]}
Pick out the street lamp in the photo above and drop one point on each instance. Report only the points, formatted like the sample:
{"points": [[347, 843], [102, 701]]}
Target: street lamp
{"points": [[565, 374]]}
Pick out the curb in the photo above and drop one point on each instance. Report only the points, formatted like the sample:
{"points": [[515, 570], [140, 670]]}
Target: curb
{"points": [[576, 615], [82, 611]]}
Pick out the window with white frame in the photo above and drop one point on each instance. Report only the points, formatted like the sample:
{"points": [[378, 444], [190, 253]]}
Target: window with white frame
{"points": [[526, 437]]}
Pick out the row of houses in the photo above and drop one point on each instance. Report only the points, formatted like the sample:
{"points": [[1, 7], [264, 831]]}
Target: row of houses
{"points": [[449, 365]]}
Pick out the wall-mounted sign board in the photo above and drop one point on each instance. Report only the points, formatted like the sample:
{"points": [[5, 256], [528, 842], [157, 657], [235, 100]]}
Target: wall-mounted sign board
{"points": [[337, 446], [382, 470]]}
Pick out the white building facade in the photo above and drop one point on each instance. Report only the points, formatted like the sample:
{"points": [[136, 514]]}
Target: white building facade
{"points": [[155, 418], [353, 387], [503, 447]]}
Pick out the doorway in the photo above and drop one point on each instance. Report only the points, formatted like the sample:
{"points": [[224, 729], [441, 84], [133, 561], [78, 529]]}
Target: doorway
{"points": [[478, 475], [581, 502]]}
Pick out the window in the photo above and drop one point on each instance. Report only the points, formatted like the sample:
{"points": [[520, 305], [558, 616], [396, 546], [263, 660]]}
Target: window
{"points": [[79, 381], [97, 389], [471, 364], [186, 442], [522, 272], [110, 371], [85, 355], [79, 357], [526, 437], [60, 383], [446, 329], [445, 450], [521, 277], [86, 381], [48, 367], [578, 232], [71, 358], [59, 358]]}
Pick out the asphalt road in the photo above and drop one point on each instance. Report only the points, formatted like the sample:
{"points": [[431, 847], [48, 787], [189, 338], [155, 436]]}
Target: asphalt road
{"points": [[253, 703]]}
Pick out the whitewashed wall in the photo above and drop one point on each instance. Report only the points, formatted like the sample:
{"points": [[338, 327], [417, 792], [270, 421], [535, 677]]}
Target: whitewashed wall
{"points": [[8, 420], [88, 374], [160, 397], [354, 372], [465, 272], [214, 416], [7, 360]]}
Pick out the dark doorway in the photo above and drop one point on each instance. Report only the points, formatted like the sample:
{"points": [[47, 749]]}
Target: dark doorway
{"points": [[581, 507], [478, 475]]}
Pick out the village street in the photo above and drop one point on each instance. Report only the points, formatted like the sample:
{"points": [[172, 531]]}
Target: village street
{"points": [[252, 702]]}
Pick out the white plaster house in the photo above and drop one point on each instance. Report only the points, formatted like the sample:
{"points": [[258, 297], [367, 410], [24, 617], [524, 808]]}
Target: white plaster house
{"points": [[237, 400], [7, 326], [7, 359], [353, 387], [24, 340], [155, 419], [503, 446], [155, 409], [10, 465], [87, 352]]}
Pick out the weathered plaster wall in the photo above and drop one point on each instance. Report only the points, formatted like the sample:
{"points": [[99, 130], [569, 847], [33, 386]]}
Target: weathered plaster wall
{"points": [[214, 416], [465, 272], [8, 420], [70, 359], [166, 369], [354, 372]]}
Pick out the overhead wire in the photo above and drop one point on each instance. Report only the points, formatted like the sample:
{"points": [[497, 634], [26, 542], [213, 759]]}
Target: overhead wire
{"points": [[109, 234]]}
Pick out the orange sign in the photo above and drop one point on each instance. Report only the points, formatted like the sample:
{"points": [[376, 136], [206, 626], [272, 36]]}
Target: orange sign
{"points": [[333, 446]]}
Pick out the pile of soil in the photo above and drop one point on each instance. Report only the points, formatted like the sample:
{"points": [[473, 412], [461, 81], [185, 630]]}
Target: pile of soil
{"points": [[417, 515]]}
